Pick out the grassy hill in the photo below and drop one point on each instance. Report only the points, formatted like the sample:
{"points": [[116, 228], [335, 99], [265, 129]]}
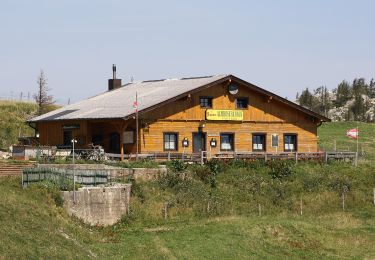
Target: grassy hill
{"points": [[207, 219], [213, 213], [13, 116], [329, 132], [12, 121]]}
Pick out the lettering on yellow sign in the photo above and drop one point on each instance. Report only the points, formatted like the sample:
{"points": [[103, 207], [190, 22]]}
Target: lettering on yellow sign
{"points": [[214, 114]]}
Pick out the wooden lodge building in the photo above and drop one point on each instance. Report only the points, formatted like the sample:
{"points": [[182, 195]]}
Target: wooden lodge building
{"points": [[218, 114]]}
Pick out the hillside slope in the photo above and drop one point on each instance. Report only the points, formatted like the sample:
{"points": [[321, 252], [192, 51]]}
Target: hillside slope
{"points": [[13, 116], [212, 220], [12, 121], [335, 132]]}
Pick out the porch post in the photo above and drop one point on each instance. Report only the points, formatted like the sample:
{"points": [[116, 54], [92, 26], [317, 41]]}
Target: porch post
{"points": [[120, 127], [122, 144]]}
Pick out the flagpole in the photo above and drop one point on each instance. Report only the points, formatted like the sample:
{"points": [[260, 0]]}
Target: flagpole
{"points": [[357, 141], [136, 119]]}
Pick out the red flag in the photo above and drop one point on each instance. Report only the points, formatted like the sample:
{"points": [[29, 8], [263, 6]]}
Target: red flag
{"points": [[352, 133], [135, 105]]}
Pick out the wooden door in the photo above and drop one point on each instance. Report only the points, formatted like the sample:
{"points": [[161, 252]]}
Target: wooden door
{"points": [[199, 142]]}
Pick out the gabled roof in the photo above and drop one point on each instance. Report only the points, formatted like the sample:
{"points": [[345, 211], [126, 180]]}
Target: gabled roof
{"points": [[118, 103]]}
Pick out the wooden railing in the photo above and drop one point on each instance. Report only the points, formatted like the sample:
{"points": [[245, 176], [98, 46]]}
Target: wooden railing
{"points": [[201, 157], [206, 155]]}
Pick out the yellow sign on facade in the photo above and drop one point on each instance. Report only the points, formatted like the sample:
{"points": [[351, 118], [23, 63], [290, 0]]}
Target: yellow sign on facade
{"points": [[214, 114]]}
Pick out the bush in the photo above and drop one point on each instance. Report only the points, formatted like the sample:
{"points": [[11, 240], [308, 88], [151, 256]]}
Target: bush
{"points": [[178, 166], [169, 180], [281, 169], [205, 174], [137, 189], [339, 183], [54, 190]]}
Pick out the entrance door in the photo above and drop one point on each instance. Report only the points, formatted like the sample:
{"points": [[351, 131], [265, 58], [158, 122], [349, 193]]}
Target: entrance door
{"points": [[114, 143], [199, 142], [67, 138]]}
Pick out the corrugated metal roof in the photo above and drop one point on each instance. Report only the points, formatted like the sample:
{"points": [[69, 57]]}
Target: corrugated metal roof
{"points": [[118, 103]]}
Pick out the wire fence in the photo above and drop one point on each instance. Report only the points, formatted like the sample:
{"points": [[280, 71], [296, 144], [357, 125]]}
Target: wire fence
{"points": [[20, 96]]}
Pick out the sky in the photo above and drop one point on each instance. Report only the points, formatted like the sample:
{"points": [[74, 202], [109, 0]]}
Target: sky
{"points": [[282, 46]]}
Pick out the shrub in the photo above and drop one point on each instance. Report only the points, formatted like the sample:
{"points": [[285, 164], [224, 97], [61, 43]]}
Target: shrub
{"points": [[54, 190], [137, 189], [281, 169], [169, 180], [339, 183], [178, 166], [215, 166], [205, 174]]}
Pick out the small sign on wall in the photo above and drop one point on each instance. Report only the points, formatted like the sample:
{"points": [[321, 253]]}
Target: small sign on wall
{"points": [[275, 140], [129, 137], [231, 115]]}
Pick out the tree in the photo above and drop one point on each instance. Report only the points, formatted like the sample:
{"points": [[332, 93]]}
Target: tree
{"points": [[42, 98], [323, 103], [306, 99], [343, 93], [372, 89], [360, 87]]}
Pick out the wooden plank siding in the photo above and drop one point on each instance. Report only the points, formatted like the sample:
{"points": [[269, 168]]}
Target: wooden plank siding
{"points": [[263, 115], [184, 116]]}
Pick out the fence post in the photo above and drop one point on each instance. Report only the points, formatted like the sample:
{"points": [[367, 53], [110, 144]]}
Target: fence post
{"points": [[169, 156], [301, 206], [259, 210], [296, 157], [326, 155], [265, 157], [356, 159], [22, 179], [202, 162], [27, 178], [165, 210]]}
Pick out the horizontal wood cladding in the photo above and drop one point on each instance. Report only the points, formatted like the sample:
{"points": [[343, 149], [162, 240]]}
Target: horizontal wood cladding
{"points": [[152, 139], [263, 115], [51, 133], [261, 108], [185, 116]]}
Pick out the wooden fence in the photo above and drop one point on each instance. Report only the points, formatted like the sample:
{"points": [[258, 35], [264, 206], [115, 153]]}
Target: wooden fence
{"points": [[206, 155]]}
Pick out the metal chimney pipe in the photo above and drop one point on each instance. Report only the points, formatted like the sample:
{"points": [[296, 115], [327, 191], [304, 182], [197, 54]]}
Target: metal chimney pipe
{"points": [[114, 71]]}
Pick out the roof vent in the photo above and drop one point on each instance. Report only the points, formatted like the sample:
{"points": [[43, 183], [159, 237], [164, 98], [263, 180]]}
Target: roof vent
{"points": [[114, 83]]}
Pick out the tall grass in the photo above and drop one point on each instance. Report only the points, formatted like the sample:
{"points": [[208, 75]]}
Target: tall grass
{"points": [[253, 189], [13, 117]]}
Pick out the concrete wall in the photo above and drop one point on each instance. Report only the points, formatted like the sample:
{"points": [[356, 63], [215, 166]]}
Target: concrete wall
{"points": [[115, 173], [99, 205]]}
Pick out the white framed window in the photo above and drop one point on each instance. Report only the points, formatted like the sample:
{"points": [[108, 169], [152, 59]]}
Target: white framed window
{"points": [[170, 141]]}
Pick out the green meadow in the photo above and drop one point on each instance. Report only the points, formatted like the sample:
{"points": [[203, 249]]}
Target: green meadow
{"points": [[233, 210]]}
